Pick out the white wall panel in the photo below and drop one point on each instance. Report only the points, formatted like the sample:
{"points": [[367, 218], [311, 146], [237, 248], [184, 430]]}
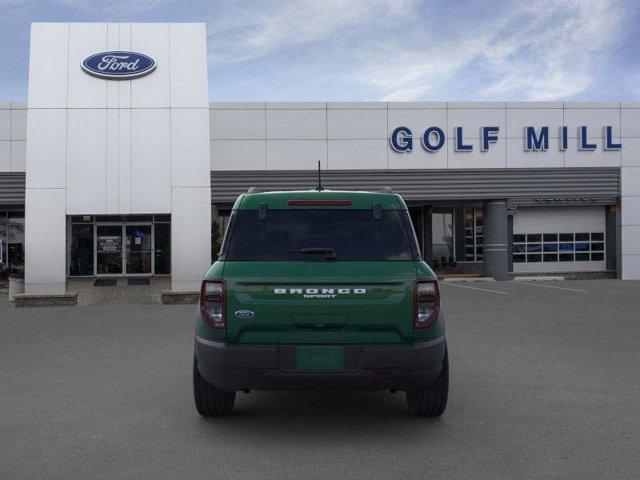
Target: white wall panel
{"points": [[518, 118], [111, 162], [18, 156], [594, 119], [357, 105], [45, 241], [191, 253], [124, 161], [517, 157], [5, 156], [296, 154], [124, 86], [630, 120], [238, 155], [630, 181], [418, 158], [150, 161], [630, 268], [86, 91], [188, 56], [86, 161], [631, 239], [598, 158], [296, 105], [113, 43], [630, 153], [152, 91], [48, 62], [630, 211], [357, 124], [418, 120], [357, 154], [238, 124], [495, 157], [5, 124], [47, 148], [190, 164], [472, 119], [296, 124], [18, 124], [419, 105]]}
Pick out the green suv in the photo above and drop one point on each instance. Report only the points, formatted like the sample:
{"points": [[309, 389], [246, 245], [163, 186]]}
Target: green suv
{"points": [[320, 289]]}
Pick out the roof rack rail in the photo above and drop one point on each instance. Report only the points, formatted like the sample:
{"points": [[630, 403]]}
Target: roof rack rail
{"points": [[253, 190], [386, 190]]}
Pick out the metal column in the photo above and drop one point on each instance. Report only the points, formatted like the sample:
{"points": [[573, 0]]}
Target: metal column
{"points": [[496, 254]]}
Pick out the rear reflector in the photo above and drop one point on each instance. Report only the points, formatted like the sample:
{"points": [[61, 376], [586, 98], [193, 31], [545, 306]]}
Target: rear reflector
{"points": [[319, 203]]}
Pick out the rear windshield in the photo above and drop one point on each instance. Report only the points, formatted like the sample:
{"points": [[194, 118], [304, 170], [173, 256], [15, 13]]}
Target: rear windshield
{"points": [[319, 235]]}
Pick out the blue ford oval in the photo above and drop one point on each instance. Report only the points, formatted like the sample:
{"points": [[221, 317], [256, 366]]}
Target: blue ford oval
{"points": [[118, 65]]}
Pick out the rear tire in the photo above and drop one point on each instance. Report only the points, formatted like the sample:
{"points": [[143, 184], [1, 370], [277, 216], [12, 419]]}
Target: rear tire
{"points": [[432, 400], [210, 402]]}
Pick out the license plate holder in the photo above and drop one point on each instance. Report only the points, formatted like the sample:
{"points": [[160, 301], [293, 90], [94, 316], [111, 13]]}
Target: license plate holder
{"points": [[320, 358]]}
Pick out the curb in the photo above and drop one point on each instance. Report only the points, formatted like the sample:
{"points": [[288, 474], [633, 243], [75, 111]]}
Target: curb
{"points": [[468, 279], [538, 279]]}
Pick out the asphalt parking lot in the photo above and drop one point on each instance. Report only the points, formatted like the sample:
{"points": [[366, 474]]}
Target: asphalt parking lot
{"points": [[545, 383]]}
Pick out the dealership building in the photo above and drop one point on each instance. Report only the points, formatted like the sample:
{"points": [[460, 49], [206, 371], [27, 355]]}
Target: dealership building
{"points": [[118, 165]]}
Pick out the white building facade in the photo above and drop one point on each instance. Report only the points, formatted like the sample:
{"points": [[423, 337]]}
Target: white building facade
{"points": [[121, 176]]}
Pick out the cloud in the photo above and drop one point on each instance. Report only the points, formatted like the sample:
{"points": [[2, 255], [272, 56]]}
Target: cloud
{"points": [[548, 50], [408, 50], [263, 28]]}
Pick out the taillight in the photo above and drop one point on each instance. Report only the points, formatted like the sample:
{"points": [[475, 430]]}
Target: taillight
{"points": [[426, 303], [213, 295]]}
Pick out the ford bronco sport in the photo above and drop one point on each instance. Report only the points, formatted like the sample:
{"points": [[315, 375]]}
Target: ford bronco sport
{"points": [[320, 289]]}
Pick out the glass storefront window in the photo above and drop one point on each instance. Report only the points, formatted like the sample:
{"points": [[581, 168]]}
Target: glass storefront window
{"points": [[117, 245], [473, 239], [4, 267], [15, 242], [163, 249], [442, 234], [81, 252]]}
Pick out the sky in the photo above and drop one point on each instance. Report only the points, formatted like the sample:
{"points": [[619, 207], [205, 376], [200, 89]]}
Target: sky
{"points": [[377, 50]]}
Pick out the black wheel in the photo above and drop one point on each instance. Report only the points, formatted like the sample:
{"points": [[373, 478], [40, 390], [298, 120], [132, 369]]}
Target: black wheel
{"points": [[210, 402], [432, 400]]}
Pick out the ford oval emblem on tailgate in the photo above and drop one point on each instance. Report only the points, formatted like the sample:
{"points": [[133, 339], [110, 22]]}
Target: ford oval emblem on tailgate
{"points": [[243, 313]]}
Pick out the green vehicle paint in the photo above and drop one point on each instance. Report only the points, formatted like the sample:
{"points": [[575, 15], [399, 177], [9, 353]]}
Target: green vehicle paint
{"points": [[357, 302]]}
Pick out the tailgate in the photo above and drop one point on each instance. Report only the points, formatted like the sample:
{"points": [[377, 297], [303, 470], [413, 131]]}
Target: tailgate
{"points": [[319, 302]]}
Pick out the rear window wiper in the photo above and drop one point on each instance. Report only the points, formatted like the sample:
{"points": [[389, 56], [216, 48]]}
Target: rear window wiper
{"points": [[330, 253]]}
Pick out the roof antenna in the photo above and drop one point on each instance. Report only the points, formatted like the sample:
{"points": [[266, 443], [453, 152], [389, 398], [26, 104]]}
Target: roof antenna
{"points": [[319, 187]]}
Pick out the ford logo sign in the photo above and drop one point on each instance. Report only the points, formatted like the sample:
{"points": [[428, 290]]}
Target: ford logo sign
{"points": [[243, 313], [118, 65]]}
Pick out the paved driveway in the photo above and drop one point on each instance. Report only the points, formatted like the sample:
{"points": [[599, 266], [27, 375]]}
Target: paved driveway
{"points": [[545, 383]]}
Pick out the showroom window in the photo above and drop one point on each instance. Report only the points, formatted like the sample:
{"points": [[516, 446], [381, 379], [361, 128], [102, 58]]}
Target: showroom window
{"points": [[120, 245], [442, 232], [12, 242], [473, 219], [558, 247]]}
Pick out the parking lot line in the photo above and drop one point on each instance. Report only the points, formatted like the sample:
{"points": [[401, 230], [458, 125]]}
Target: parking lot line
{"points": [[474, 288], [552, 286]]}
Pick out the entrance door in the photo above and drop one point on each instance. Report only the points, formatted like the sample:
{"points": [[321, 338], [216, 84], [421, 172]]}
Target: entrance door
{"points": [[139, 249], [109, 250]]}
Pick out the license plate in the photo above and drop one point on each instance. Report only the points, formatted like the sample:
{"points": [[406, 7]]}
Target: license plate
{"points": [[319, 358]]}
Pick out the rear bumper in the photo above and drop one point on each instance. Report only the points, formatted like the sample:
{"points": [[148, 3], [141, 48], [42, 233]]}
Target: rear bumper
{"points": [[273, 367]]}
